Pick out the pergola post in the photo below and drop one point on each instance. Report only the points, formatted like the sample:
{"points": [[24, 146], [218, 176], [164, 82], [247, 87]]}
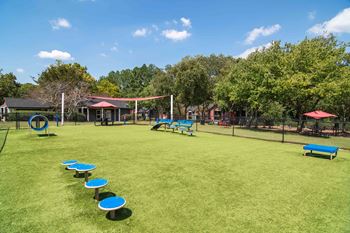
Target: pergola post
{"points": [[135, 110], [171, 107], [62, 110]]}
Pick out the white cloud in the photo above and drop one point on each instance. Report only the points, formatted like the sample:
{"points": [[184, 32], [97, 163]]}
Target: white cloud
{"points": [[246, 53], [261, 31], [175, 35], [59, 23], [186, 22], [55, 54], [103, 55], [20, 70], [338, 24], [311, 15], [114, 49], [174, 21], [142, 32]]}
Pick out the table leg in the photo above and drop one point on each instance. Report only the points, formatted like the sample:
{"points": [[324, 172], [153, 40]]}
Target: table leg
{"points": [[112, 214], [76, 174], [86, 176], [97, 195]]}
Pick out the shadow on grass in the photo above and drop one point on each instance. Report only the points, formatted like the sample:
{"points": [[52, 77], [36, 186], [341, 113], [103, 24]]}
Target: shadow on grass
{"points": [[105, 195], [81, 175], [177, 133], [120, 214], [318, 155], [42, 135]]}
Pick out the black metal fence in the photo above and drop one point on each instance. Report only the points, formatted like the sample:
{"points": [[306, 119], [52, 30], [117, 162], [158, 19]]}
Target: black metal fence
{"points": [[3, 136], [304, 131], [19, 120]]}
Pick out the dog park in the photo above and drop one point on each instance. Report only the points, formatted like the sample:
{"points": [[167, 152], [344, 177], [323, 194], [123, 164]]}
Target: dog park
{"points": [[174, 116], [207, 182]]}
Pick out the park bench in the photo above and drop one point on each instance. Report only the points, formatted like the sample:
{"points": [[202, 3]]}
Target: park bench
{"points": [[332, 150]]}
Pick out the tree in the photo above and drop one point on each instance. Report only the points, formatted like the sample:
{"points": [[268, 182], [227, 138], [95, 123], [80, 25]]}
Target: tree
{"points": [[192, 84], [71, 79], [131, 83], [314, 66], [27, 90], [105, 87], [9, 87]]}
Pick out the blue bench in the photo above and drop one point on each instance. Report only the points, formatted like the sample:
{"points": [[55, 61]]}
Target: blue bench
{"points": [[332, 150], [161, 122], [183, 126]]}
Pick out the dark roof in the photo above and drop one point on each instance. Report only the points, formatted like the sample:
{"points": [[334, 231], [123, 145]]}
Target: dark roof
{"points": [[24, 103], [117, 103]]}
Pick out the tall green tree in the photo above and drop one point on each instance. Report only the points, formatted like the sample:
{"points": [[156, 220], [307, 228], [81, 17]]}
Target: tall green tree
{"points": [[9, 87], [71, 79], [192, 83], [105, 87]]}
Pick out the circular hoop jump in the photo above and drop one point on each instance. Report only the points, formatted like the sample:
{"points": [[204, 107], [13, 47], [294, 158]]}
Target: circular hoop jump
{"points": [[38, 117]]}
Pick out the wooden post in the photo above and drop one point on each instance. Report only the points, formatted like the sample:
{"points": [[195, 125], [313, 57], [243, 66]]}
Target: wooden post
{"points": [[97, 194], [86, 173], [112, 214]]}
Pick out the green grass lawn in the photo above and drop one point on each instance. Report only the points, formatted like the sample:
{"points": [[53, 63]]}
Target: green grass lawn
{"points": [[172, 183]]}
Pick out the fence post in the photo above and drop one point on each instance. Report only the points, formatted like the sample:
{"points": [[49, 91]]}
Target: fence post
{"points": [[196, 123], [17, 121], [233, 126], [283, 123]]}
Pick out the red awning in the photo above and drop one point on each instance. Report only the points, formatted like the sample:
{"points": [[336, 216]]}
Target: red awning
{"points": [[103, 104], [128, 99], [319, 115]]}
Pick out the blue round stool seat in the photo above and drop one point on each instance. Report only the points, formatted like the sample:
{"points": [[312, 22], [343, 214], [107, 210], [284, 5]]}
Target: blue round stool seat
{"points": [[85, 167], [112, 203], [74, 166], [96, 183], [69, 162]]}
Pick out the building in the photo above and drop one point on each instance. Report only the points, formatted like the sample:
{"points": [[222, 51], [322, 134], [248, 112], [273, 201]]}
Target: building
{"points": [[98, 109], [19, 104], [112, 110]]}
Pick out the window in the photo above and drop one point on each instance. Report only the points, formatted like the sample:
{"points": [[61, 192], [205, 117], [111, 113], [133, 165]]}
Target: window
{"points": [[98, 114]]}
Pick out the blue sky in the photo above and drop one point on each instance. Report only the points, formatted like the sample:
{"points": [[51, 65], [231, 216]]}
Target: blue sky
{"points": [[107, 35]]}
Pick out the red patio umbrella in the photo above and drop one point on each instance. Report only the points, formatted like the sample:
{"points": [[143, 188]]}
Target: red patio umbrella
{"points": [[103, 104], [319, 114]]}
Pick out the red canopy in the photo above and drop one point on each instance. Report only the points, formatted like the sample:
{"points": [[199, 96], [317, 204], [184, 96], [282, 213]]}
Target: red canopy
{"points": [[103, 104], [319, 115], [128, 99]]}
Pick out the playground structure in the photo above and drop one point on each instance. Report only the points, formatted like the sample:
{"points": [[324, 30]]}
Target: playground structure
{"points": [[179, 125], [37, 127]]}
